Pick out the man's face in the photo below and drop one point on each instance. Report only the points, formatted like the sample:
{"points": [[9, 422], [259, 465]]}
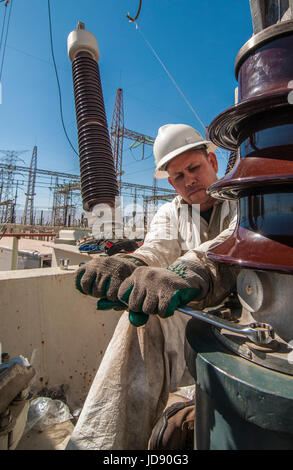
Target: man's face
{"points": [[191, 173]]}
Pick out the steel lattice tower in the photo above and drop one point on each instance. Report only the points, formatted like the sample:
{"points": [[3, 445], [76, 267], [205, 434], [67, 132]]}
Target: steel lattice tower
{"points": [[28, 213], [117, 129], [10, 160], [119, 133], [56, 214]]}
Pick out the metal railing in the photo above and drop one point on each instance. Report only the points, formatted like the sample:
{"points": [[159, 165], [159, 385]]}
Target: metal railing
{"points": [[17, 236]]}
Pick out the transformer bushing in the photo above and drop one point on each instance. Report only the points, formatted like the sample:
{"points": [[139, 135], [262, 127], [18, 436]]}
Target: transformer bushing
{"points": [[97, 172], [245, 390]]}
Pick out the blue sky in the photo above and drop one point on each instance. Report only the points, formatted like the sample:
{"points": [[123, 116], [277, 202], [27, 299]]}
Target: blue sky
{"points": [[197, 40]]}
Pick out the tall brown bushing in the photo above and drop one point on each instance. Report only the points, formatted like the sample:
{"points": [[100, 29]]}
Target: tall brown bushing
{"points": [[260, 128], [97, 171]]}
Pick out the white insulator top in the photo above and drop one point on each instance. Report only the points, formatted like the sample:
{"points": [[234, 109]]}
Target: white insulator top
{"points": [[81, 40]]}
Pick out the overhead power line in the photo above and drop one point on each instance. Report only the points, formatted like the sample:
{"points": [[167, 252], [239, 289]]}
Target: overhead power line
{"points": [[170, 76], [6, 35], [3, 28], [175, 84], [137, 14], [57, 78]]}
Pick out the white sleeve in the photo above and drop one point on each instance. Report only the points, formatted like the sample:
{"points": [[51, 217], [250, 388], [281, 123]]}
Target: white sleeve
{"points": [[161, 245]]}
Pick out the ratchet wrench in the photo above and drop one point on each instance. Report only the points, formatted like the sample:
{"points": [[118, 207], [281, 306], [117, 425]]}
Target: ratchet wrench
{"points": [[260, 333]]}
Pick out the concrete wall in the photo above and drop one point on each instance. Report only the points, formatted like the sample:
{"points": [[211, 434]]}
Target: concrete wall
{"points": [[58, 329]]}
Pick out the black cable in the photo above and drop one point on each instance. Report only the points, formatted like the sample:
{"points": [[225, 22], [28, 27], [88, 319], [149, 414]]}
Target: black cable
{"points": [[137, 14], [57, 78], [3, 27], [140, 159], [4, 49]]}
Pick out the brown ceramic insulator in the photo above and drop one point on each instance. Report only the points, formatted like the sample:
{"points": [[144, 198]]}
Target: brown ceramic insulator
{"points": [[265, 66], [260, 128], [264, 69], [263, 238], [246, 249], [266, 155], [262, 181], [97, 171], [269, 134], [226, 129], [253, 173]]}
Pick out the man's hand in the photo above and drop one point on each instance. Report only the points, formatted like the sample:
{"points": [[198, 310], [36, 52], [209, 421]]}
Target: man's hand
{"points": [[103, 276], [161, 290]]}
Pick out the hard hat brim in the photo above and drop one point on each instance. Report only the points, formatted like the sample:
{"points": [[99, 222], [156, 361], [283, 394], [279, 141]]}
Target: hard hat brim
{"points": [[161, 173]]}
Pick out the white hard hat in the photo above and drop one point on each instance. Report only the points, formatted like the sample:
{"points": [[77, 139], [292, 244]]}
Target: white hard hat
{"points": [[174, 139]]}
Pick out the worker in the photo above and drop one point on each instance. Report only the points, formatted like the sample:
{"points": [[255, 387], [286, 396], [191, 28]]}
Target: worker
{"points": [[144, 360]]}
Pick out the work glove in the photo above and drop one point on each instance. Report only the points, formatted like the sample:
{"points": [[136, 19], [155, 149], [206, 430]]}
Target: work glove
{"points": [[162, 290], [102, 276]]}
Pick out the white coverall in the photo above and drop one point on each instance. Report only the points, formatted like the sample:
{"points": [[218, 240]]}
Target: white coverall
{"points": [[141, 366]]}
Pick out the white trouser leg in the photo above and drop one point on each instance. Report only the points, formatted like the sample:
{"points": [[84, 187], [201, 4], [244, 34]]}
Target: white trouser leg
{"points": [[141, 366]]}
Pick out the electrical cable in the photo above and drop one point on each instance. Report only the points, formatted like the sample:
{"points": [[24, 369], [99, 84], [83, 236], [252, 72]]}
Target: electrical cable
{"points": [[139, 159], [3, 27], [57, 78], [4, 48], [137, 14], [170, 76], [175, 83]]}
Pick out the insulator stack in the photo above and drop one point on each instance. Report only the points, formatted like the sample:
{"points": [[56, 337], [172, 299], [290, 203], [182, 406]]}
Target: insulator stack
{"points": [[232, 372], [260, 128], [97, 172]]}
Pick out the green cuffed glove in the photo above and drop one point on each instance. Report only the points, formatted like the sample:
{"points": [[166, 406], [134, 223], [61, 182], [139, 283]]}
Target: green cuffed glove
{"points": [[162, 290], [103, 276], [137, 319]]}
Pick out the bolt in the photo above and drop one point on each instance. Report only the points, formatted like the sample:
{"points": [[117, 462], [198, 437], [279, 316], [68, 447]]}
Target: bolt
{"points": [[249, 289]]}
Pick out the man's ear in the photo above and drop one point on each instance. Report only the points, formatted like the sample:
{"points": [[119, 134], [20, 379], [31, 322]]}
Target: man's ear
{"points": [[170, 182], [212, 158]]}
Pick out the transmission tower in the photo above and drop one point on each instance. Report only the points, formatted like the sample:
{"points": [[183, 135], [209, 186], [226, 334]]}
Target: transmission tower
{"points": [[56, 212], [28, 213], [63, 210], [119, 133], [68, 207], [7, 179], [64, 207]]}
